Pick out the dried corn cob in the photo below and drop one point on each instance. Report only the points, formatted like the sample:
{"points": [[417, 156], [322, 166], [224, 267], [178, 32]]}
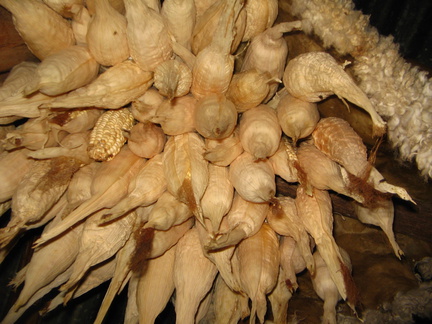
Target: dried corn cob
{"points": [[107, 137]]}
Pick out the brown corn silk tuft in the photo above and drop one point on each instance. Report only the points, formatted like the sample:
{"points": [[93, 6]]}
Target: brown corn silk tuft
{"points": [[61, 171], [144, 239], [353, 294]]}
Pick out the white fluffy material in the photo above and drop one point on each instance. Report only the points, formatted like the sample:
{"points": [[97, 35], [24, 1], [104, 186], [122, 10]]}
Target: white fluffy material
{"points": [[400, 92]]}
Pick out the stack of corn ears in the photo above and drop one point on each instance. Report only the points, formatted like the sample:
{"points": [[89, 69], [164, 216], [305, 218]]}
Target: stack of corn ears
{"points": [[151, 159]]}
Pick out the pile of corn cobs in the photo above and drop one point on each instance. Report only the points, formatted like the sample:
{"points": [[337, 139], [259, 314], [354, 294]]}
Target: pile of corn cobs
{"points": [[151, 163]]}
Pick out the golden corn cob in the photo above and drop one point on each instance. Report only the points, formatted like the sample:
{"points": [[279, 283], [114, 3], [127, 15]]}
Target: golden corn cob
{"points": [[107, 138]]}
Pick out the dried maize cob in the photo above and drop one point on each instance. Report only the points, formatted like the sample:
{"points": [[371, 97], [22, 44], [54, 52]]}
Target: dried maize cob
{"points": [[107, 137]]}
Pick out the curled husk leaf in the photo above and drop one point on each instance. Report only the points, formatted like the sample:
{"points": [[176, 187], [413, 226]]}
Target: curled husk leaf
{"points": [[207, 23], [145, 107], [218, 196], [43, 39], [10, 180], [260, 16], [180, 17], [260, 132], [249, 88], [297, 118], [106, 35], [65, 70], [186, 170], [172, 78], [80, 21], [146, 140], [268, 52], [258, 259], [253, 180], [112, 89], [176, 116], [223, 151], [147, 34], [17, 79], [214, 65], [215, 117]]}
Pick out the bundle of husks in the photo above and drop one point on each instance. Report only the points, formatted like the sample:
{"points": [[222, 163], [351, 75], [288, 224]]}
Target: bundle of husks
{"points": [[189, 204]]}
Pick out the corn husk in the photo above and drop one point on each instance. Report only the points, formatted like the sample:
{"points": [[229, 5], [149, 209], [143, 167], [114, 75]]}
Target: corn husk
{"points": [[116, 4], [145, 107], [79, 187], [217, 199], [75, 121], [208, 22], [268, 52], [113, 235], [193, 276], [260, 16], [149, 42], [317, 217], [176, 116], [43, 39], [229, 306], [20, 106], [325, 174], [13, 315], [146, 140], [284, 219], [164, 240], [80, 21], [283, 165], [214, 65], [10, 180], [325, 287], [46, 264], [253, 180], [279, 299], [109, 186], [63, 7], [244, 220], [180, 17], [292, 262], [17, 79], [155, 286], [222, 152], [38, 191], [249, 88], [215, 116], [106, 35], [167, 212], [172, 78], [34, 134], [220, 257], [260, 132], [338, 140], [259, 266], [297, 118], [72, 146], [96, 276], [144, 189], [382, 216], [65, 70], [114, 88], [314, 76], [186, 170], [122, 272], [202, 6]]}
